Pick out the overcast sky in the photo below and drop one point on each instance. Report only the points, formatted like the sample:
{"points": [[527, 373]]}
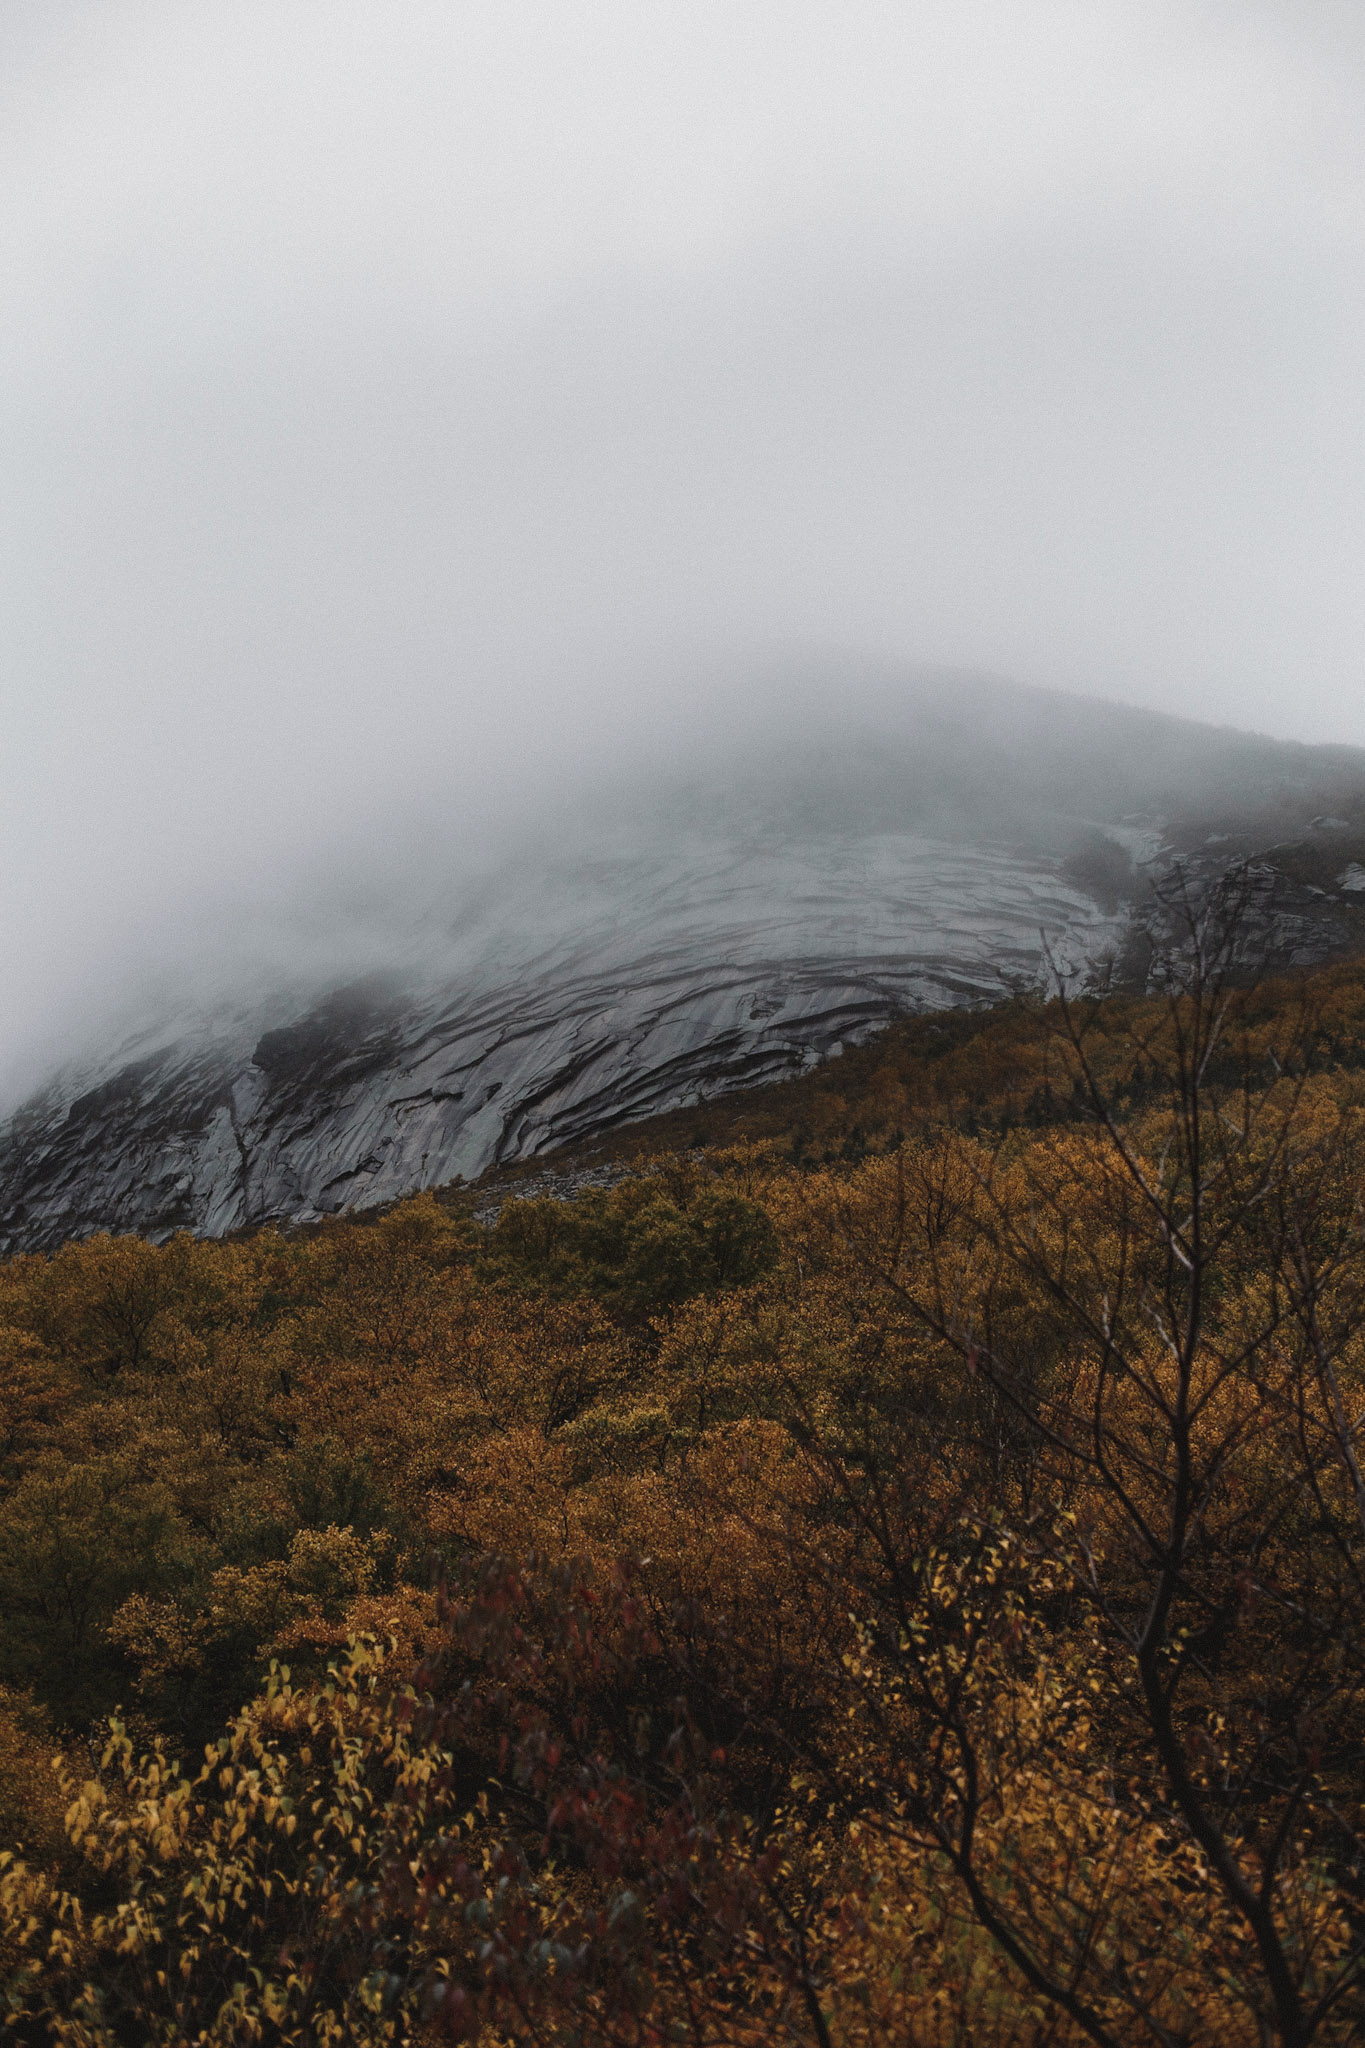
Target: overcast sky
{"points": [[393, 391]]}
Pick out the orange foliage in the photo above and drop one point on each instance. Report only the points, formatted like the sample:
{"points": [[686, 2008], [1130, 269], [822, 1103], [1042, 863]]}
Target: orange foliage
{"points": [[914, 1597]]}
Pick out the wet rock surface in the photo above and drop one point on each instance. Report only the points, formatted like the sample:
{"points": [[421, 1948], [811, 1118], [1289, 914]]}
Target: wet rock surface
{"points": [[639, 988], [573, 996]]}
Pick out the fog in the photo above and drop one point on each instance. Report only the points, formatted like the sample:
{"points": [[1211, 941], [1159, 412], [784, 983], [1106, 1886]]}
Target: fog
{"points": [[414, 415]]}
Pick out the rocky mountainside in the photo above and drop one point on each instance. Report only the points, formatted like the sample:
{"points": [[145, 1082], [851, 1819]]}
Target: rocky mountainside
{"points": [[741, 926]]}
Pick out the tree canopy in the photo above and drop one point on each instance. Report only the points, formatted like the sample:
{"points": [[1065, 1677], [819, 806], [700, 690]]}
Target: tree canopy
{"points": [[893, 1588]]}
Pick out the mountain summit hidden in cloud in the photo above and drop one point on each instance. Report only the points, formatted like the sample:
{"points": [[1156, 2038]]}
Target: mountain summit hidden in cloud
{"points": [[731, 925]]}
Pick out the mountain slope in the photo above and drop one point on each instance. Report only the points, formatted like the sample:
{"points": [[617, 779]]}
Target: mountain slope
{"points": [[761, 913]]}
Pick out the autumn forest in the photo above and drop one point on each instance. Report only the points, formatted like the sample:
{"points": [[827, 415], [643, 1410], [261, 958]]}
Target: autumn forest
{"points": [[885, 1566]]}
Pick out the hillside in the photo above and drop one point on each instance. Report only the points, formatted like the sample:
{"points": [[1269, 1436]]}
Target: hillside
{"points": [[729, 918], [887, 1567]]}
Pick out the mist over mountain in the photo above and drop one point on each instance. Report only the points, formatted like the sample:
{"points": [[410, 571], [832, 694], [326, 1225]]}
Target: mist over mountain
{"points": [[513, 515], [776, 889], [598, 601]]}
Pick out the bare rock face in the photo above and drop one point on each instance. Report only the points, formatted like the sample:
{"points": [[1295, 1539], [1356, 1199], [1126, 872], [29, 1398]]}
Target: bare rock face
{"points": [[648, 983], [728, 943]]}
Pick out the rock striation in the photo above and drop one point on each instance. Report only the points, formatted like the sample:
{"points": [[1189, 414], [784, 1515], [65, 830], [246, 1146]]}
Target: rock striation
{"points": [[726, 945], [641, 985]]}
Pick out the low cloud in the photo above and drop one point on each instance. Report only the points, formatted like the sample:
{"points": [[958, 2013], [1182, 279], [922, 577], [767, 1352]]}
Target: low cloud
{"points": [[417, 415]]}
